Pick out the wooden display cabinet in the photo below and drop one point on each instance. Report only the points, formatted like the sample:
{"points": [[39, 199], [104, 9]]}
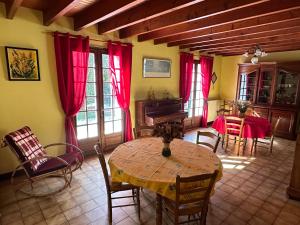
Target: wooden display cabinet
{"points": [[273, 89]]}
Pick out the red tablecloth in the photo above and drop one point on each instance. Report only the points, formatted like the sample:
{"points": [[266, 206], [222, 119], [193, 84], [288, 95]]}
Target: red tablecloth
{"points": [[254, 127]]}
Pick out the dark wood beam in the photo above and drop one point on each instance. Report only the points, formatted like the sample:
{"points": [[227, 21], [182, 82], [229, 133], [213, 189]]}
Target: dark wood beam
{"points": [[256, 41], [142, 12], [253, 31], [58, 10], [12, 7], [235, 26], [102, 10], [182, 16], [263, 9], [250, 47], [255, 36], [268, 50]]}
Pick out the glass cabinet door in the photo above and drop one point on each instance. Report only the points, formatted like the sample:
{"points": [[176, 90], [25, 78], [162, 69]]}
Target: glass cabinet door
{"points": [[247, 86], [286, 88], [265, 86]]}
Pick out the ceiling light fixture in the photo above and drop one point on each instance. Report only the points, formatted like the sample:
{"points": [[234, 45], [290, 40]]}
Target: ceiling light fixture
{"points": [[257, 52]]}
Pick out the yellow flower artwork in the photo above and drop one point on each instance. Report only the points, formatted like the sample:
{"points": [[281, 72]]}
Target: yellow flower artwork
{"points": [[22, 63]]}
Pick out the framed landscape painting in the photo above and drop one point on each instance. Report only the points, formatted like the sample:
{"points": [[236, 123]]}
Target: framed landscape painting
{"points": [[156, 67], [22, 64]]}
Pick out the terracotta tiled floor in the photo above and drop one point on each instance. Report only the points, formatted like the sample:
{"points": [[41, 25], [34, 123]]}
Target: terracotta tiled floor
{"points": [[252, 191]]}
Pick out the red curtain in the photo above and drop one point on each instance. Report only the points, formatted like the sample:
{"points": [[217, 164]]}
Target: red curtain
{"points": [[120, 60], [206, 63], [186, 73], [71, 64]]}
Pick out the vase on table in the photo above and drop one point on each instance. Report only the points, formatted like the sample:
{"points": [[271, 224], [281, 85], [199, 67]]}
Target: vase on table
{"points": [[166, 152]]}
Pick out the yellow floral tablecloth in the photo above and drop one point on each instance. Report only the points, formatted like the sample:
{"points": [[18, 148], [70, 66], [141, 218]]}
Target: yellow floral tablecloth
{"points": [[140, 163]]}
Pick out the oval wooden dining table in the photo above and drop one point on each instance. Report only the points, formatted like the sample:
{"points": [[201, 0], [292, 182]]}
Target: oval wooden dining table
{"points": [[140, 162]]}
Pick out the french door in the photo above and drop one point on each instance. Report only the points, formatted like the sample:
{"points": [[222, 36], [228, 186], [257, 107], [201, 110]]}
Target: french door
{"points": [[194, 106], [100, 118]]}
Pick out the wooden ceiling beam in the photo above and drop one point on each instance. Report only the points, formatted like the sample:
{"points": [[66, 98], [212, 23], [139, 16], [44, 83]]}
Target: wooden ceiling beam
{"points": [[58, 10], [145, 11], [251, 12], [268, 50], [184, 15], [12, 7], [253, 31], [250, 47], [254, 36], [233, 27], [250, 42], [102, 10]]}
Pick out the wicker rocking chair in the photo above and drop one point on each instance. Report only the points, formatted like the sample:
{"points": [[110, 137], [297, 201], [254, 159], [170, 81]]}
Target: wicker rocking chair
{"points": [[37, 165]]}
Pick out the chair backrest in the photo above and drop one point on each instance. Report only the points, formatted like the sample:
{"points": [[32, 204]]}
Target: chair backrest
{"points": [[100, 154], [234, 125], [141, 132], [194, 189], [26, 146], [226, 108], [210, 135]]}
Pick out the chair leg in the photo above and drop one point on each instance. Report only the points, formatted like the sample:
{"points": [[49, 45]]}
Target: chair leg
{"points": [[138, 202], [271, 144], [109, 208], [227, 139], [252, 145], [239, 145], [255, 146]]}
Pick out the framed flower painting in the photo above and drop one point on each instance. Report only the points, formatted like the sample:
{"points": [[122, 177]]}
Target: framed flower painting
{"points": [[22, 64]]}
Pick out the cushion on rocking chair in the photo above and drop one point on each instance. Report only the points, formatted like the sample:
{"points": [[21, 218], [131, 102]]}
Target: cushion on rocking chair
{"points": [[53, 164], [27, 146]]}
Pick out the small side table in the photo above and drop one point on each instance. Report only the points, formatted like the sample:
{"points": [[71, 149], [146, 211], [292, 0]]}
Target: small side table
{"points": [[294, 189]]}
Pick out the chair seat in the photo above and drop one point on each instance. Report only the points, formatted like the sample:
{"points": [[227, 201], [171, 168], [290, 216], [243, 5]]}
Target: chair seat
{"points": [[53, 164], [184, 209]]}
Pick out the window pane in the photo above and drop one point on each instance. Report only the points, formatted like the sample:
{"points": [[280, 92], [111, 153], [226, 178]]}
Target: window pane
{"points": [[105, 63], [90, 89], [83, 107], [82, 132], [117, 126], [81, 118], [92, 117], [190, 112], [108, 115], [108, 127], [198, 94], [93, 130], [107, 101], [91, 75], [91, 103], [107, 89], [106, 75], [91, 60], [197, 103], [198, 86], [116, 104], [117, 114]]}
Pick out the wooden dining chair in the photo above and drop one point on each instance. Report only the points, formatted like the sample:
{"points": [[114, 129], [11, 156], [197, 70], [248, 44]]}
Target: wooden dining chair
{"points": [[267, 140], [191, 198], [113, 187], [142, 132], [226, 108], [215, 139], [234, 128]]}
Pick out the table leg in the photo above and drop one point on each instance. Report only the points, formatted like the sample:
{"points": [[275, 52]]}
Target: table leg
{"points": [[158, 209]]}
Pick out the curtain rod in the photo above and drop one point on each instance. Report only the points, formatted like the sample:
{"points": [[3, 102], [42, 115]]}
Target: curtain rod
{"points": [[74, 35]]}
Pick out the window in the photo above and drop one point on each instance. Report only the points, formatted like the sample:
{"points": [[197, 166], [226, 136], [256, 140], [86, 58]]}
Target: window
{"points": [[112, 111], [87, 118], [194, 106], [100, 118]]}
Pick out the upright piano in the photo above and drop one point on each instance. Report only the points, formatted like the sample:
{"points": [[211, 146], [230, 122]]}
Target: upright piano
{"points": [[152, 112]]}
